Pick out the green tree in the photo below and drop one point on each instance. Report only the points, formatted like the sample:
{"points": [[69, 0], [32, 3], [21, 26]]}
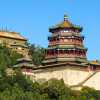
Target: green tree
{"points": [[14, 56], [37, 53], [89, 93]]}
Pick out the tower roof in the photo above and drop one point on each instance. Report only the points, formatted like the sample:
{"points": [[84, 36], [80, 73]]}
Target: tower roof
{"points": [[65, 24]]}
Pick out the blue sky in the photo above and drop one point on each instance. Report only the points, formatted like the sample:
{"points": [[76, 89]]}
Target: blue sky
{"points": [[32, 18]]}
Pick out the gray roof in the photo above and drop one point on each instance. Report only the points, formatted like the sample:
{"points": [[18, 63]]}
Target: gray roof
{"points": [[24, 65], [24, 59]]}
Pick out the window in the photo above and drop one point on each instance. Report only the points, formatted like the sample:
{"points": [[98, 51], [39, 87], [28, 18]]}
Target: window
{"points": [[14, 42], [19, 48], [0, 41]]}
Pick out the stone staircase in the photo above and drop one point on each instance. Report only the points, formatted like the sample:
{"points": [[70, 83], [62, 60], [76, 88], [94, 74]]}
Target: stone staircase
{"points": [[80, 84]]}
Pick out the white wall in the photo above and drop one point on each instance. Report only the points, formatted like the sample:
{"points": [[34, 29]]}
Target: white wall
{"points": [[94, 81], [71, 76]]}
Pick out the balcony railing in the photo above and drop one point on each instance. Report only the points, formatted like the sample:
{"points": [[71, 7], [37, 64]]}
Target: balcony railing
{"points": [[64, 43], [65, 56]]}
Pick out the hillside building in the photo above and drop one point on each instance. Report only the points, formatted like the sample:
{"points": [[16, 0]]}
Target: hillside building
{"points": [[14, 41]]}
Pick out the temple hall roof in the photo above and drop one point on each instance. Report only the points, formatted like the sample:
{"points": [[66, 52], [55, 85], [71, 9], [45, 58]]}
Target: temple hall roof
{"points": [[95, 62], [12, 35], [24, 62]]}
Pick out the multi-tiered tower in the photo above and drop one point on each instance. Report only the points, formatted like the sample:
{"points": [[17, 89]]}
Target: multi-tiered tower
{"points": [[66, 58], [65, 44]]}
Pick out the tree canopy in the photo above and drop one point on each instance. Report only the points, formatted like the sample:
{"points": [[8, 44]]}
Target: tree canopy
{"points": [[8, 58], [37, 53], [19, 87]]}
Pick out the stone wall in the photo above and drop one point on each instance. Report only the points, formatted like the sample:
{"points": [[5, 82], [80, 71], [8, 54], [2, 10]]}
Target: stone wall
{"points": [[94, 81], [71, 76]]}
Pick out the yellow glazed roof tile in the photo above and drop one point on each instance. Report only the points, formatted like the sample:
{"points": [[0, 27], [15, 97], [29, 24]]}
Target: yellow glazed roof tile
{"points": [[65, 24], [13, 35]]}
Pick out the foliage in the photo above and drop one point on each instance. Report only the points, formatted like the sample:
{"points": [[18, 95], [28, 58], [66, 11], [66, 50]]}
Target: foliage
{"points": [[37, 53], [19, 87], [7, 58], [14, 56]]}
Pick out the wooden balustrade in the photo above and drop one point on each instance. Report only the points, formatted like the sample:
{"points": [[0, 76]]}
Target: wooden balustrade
{"points": [[64, 55], [64, 43]]}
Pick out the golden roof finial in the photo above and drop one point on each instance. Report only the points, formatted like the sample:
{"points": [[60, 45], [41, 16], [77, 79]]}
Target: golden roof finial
{"points": [[65, 17]]}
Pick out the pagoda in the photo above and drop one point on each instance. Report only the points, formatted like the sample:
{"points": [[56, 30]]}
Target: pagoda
{"points": [[65, 44], [65, 58]]}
